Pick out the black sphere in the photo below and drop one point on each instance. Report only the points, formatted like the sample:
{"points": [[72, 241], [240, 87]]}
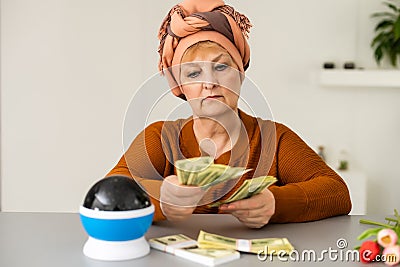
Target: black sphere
{"points": [[349, 65], [329, 65], [116, 193]]}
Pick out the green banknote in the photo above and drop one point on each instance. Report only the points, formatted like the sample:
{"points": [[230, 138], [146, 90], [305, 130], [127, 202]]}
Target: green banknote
{"points": [[202, 171], [249, 188], [189, 169], [266, 245], [178, 240]]}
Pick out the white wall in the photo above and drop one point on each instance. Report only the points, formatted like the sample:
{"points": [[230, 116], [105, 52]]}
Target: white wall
{"points": [[70, 67]]}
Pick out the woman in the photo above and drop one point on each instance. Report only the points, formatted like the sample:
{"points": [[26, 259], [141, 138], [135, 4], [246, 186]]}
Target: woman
{"points": [[204, 54]]}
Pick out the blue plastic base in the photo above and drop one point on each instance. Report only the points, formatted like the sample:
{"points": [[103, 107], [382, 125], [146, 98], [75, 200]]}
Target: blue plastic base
{"points": [[116, 225]]}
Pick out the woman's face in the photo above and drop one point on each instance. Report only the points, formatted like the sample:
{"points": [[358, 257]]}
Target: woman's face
{"points": [[210, 80]]}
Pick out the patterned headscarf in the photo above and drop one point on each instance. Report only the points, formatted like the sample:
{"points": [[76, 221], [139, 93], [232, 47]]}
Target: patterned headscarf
{"points": [[193, 21]]}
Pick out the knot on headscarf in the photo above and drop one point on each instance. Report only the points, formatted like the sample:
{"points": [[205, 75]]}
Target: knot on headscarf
{"points": [[193, 16]]}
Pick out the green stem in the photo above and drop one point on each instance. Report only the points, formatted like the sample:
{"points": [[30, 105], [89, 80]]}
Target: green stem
{"points": [[376, 223], [391, 219], [396, 214]]}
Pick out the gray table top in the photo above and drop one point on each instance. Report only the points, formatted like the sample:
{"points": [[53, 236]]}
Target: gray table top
{"points": [[57, 239]]}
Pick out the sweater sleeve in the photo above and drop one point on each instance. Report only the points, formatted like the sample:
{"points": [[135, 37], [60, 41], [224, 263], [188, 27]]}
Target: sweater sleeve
{"points": [[308, 188], [144, 163]]}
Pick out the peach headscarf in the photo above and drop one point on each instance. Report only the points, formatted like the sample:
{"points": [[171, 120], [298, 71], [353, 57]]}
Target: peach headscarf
{"points": [[193, 21]]}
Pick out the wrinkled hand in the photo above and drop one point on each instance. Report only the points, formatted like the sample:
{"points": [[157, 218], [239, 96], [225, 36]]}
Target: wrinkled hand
{"points": [[254, 212], [177, 201]]}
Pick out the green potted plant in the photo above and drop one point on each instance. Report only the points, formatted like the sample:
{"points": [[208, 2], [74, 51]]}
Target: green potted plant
{"points": [[387, 39]]}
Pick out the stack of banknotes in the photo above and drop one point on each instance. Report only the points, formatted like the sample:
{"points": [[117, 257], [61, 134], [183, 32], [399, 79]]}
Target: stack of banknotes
{"points": [[211, 249], [185, 247], [269, 246], [202, 171]]}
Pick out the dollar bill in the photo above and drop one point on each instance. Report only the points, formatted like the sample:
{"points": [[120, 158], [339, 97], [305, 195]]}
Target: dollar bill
{"points": [[178, 240], [221, 173], [213, 253], [189, 169], [249, 188], [267, 245], [202, 171]]}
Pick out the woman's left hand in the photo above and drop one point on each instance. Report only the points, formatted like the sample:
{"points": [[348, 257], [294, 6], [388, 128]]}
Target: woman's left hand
{"points": [[254, 212]]}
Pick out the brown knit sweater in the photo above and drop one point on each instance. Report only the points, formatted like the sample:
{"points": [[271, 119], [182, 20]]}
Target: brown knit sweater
{"points": [[307, 189]]}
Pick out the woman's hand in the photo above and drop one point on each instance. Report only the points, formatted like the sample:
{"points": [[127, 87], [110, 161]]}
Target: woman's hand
{"points": [[177, 201], [254, 212]]}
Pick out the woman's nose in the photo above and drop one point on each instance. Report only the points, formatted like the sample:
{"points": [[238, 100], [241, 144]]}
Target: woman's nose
{"points": [[210, 80], [208, 85]]}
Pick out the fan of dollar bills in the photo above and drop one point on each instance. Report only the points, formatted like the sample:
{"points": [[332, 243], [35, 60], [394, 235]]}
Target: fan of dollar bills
{"points": [[202, 171], [247, 189]]}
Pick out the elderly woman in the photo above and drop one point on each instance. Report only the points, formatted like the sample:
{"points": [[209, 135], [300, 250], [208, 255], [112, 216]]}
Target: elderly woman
{"points": [[204, 54]]}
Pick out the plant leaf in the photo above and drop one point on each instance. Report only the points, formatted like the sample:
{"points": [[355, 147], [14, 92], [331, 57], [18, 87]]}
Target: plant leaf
{"points": [[375, 223], [391, 6], [384, 24], [396, 29], [393, 57], [384, 14], [379, 39], [368, 233], [378, 54]]}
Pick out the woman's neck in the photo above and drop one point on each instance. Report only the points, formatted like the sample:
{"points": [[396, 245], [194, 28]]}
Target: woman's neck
{"points": [[217, 135]]}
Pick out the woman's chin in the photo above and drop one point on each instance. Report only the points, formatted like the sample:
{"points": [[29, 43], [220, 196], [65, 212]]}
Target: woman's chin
{"points": [[213, 110]]}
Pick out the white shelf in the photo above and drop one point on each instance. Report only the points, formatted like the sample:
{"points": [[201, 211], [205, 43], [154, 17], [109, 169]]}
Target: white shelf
{"points": [[360, 78]]}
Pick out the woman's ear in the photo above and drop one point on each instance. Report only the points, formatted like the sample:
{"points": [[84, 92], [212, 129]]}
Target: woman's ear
{"points": [[183, 97], [177, 91], [172, 82]]}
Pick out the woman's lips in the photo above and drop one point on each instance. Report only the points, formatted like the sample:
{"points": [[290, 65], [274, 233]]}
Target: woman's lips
{"points": [[213, 96]]}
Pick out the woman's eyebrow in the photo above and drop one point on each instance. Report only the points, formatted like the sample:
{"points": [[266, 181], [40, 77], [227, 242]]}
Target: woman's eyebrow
{"points": [[190, 64], [219, 57], [197, 63]]}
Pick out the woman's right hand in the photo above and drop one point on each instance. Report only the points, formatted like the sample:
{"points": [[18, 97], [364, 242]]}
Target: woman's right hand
{"points": [[177, 201]]}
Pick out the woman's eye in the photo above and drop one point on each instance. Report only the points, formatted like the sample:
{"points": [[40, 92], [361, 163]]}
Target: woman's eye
{"points": [[220, 67], [193, 74]]}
